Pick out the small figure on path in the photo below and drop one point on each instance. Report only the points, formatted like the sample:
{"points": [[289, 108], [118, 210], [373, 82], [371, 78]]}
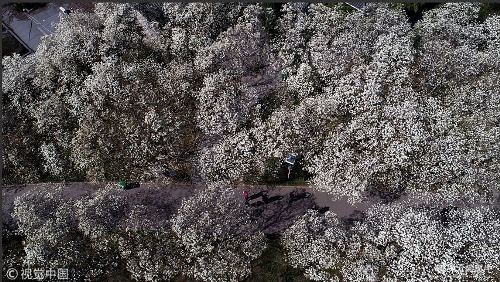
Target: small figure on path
{"points": [[245, 195]]}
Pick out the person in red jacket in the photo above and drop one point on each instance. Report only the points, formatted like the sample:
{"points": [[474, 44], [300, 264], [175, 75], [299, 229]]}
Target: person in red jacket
{"points": [[245, 195]]}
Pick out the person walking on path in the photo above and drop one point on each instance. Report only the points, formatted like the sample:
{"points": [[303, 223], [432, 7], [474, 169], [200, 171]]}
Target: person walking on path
{"points": [[245, 195]]}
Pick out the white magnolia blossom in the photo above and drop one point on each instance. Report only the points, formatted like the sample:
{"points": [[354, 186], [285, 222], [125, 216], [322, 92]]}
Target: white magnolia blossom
{"points": [[201, 22], [63, 60], [147, 129], [221, 110], [373, 105], [215, 229], [122, 33], [150, 249], [459, 69], [100, 214], [382, 128], [413, 240], [20, 146], [100, 218], [64, 95], [52, 163], [312, 242], [229, 159], [17, 76], [389, 131], [52, 239], [443, 243], [240, 70], [295, 26]]}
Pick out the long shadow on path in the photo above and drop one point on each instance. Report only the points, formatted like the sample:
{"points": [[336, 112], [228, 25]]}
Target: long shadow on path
{"points": [[277, 212]]}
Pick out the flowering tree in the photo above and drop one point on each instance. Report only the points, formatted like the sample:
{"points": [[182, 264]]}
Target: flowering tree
{"points": [[124, 124], [383, 121], [96, 107], [229, 159], [200, 23], [52, 238], [357, 125], [150, 249], [372, 104], [435, 243], [129, 41], [240, 71], [312, 242], [60, 72], [382, 131], [100, 214], [22, 161], [458, 63], [430, 240], [220, 240]]}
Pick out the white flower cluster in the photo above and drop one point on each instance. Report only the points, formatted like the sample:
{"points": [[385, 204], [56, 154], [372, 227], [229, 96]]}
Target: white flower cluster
{"points": [[52, 239], [313, 243], [100, 213], [371, 122], [228, 159], [20, 149], [459, 61], [436, 242], [210, 237], [408, 241], [215, 229], [150, 248], [372, 104]]}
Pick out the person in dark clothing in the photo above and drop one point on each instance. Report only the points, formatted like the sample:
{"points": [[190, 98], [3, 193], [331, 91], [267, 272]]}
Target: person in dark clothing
{"points": [[265, 198]]}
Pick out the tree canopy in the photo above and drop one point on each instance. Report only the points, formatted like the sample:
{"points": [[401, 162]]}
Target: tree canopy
{"points": [[373, 104]]}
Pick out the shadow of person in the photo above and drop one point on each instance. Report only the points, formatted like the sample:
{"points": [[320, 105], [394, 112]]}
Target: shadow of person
{"points": [[278, 213], [321, 209], [355, 216], [268, 200], [298, 195], [256, 195], [257, 204]]}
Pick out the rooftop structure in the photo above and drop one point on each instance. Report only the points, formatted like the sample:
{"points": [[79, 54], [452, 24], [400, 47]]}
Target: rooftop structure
{"points": [[356, 5], [29, 26]]}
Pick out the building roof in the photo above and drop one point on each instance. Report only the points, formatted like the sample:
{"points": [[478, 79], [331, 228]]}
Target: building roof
{"points": [[356, 5], [30, 27]]}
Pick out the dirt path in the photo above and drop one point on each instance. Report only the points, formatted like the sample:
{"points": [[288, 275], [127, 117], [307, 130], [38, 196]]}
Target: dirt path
{"points": [[275, 215], [180, 190], [276, 212]]}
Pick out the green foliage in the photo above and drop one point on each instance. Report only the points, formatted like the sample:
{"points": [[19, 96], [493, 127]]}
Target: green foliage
{"points": [[28, 6], [488, 10], [272, 266], [414, 11], [276, 173]]}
